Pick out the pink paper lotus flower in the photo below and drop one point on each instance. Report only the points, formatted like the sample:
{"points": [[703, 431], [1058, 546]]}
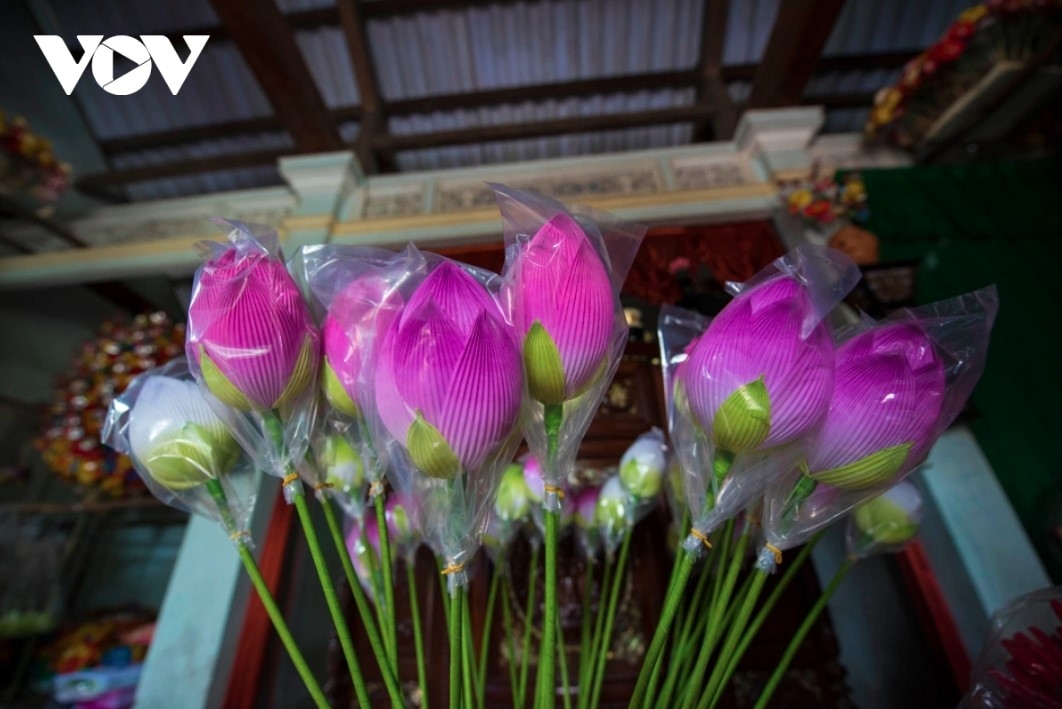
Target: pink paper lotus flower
{"points": [[250, 331], [448, 384], [882, 419], [564, 309], [343, 337], [758, 378], [585, 506]]}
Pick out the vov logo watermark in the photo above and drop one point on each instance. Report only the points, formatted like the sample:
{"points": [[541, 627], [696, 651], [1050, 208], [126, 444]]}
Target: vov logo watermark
{"points": [[142, 52]]}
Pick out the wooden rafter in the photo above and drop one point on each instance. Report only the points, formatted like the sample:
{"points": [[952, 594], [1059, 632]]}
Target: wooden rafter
{"points": [[373, 119], [793, 51], [711, 88], [267, 44]]}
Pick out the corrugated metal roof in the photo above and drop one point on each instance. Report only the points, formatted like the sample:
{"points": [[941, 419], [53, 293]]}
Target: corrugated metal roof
{"points": [[477, 48]]}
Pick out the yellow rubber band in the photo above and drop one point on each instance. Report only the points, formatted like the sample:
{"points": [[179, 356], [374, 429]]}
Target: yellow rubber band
{"points": [[559, 492], [290, 478], [776, 551], [237, 536], [322, 486], [702, 536], [376, 488], [452, 569]]}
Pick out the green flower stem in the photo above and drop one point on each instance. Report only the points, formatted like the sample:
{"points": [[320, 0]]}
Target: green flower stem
{"points": [[618, 579], [547, 656], [685, 562], [525, 656], [217, 492], [418, 636], [456, 653], [553, 419], [275, 430], [586, 626], [801, 633], [763, 614], [586, 663], [389, 631], [484, 645], [507, 624], [680, 654], [715, 619], [733, 636], [562, 653], [329, 590], [362, 604], [468, 655]]}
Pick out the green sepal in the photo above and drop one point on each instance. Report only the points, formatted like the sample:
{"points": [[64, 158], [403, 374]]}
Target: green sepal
{"points": [[543, 366], [335, 393], [743, 421], [301, 375], [219, 385], [875, 469], [884, 521], [429, 451], [191, 457]]}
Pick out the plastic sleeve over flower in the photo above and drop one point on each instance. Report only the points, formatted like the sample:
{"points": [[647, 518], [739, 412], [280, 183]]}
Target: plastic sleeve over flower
{"points": [[181, 446], [884, 524], [356, 292], [564, 269], [745, 390], [446, 390], [253, 346], [899, 384]]}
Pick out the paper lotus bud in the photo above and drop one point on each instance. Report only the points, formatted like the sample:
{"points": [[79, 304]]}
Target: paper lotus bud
{"points": [[892, 518], [400, 526], [513, 502], [342, 465], [882, 418], [760, 376], [250, 331], [586, 507], [536, 485], [176, 437], [564, 308], [363, 543], [448, 378], [366, 300], [643, 465], [613, 511]]}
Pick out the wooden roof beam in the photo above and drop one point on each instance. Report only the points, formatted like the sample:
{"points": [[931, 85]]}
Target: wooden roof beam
{"points": [[373, 119], [711, 88], [793, 51], [267, 44]]}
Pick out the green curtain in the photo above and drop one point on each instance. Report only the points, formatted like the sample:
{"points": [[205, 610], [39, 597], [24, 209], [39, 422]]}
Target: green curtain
{"points": [[970, 226]]}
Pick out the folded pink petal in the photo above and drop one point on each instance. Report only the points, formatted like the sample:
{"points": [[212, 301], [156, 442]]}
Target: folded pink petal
{"points": [[561, 282], [451, 358], [249, 317], [888, 391], [759, 334], [365, 306]]}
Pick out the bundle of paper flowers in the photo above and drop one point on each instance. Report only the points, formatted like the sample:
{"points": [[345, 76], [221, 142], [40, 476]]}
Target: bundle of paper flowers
{"points": [[404, 382], [27, 163], [819, 200], [70, 443], [982, 37]]}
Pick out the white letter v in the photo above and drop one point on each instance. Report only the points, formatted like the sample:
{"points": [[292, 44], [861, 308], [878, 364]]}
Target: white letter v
{"points": [[62, 61]]}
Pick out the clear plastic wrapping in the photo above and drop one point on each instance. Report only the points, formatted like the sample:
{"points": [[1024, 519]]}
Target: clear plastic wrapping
{"points": [[899, 384], [511, 511], [253, 345], [355, 292], [563, 273], [181, 444], [746, 389], [1021, 662], [447, 386], [886, 523]]}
